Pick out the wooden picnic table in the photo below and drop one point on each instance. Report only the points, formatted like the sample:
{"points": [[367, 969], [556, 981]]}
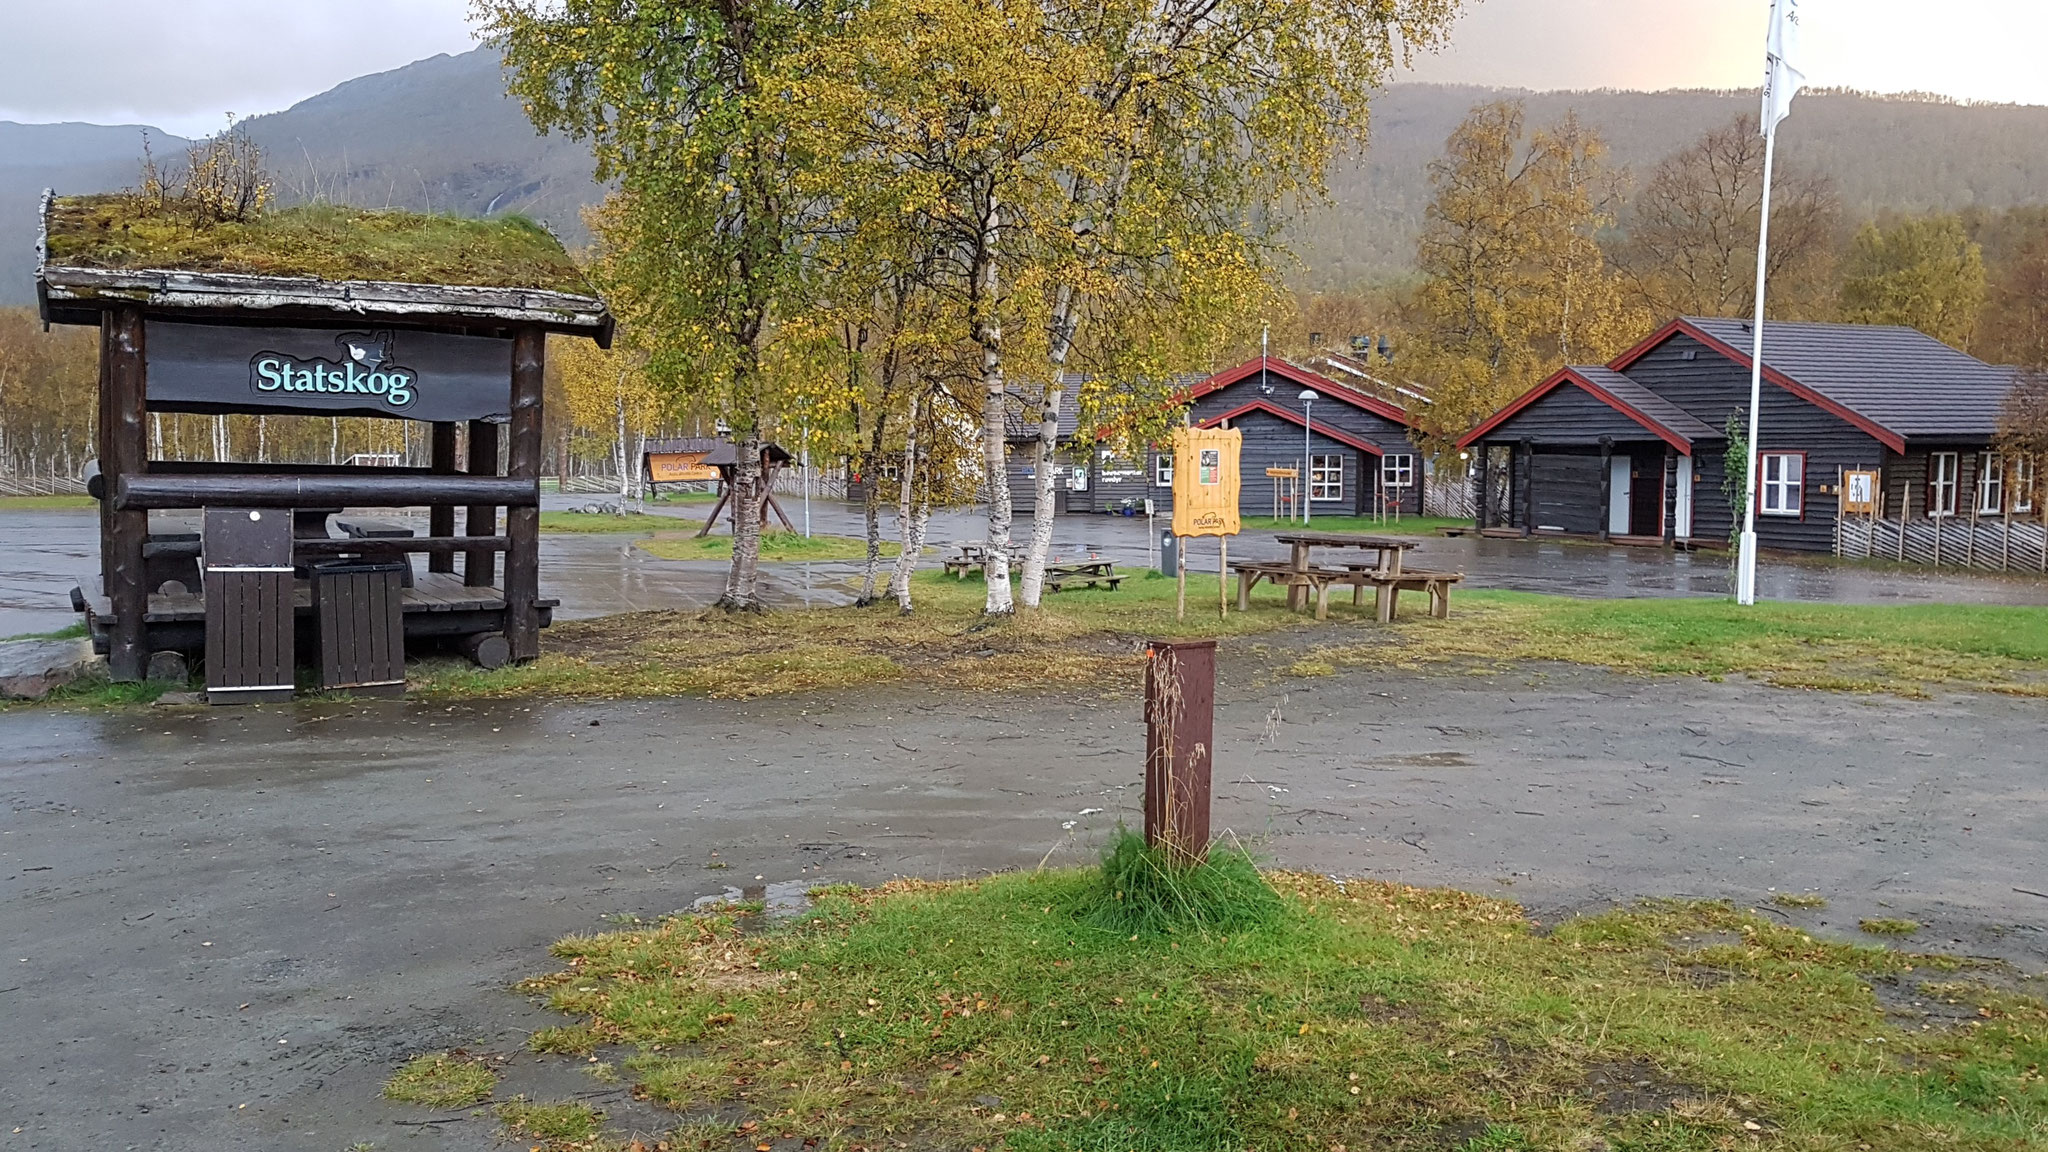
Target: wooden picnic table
{"points": [[1087, 573], [1313, 582]]}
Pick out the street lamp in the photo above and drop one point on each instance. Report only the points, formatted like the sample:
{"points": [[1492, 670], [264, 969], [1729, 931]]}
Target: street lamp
{"points": [[1308, 473]]}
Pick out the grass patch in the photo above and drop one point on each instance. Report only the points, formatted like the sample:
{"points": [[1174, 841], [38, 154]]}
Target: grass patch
{"points": [[68, 632], [53, 503], [1888, 926], [441, 1080], [1362, 1014], [566, 1124], [1145, 893], [601, 522], [332, 242], [776, 547], [1799, 900]]}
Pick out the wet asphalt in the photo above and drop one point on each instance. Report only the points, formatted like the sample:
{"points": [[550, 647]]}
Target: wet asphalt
{"points": [[226, 927]]}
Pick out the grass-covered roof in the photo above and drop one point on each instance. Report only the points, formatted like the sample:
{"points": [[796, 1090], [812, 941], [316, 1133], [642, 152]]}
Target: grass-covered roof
{"points": [[130, 232]]}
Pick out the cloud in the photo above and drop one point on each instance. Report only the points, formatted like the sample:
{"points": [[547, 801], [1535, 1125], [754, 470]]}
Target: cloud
{"points": [[182, 65]]}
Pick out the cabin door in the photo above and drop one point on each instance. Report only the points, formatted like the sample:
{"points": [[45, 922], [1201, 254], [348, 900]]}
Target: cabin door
{"points": [[1619, 494], [1682, 503]]}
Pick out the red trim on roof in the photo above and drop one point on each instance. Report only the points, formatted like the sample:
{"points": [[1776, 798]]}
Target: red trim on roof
{"points": [[1302, 376], [1883, 435], [1267, 406], [1566, 375]]}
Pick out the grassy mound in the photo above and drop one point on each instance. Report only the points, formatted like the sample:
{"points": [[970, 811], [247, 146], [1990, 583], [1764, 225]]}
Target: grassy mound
{"points": [[1005, 1013], [1145, 893]]}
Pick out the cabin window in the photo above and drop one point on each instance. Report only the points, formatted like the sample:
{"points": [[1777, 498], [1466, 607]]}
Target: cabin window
{"points": [[1162, 470], [890, 471], [1784, 483], [1990, 484], [1326, 477], [1942, 470], [2023, 484], [1397, 470]]}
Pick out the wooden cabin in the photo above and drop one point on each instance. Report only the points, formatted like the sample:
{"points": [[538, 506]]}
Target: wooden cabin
{"points": [[312, 311], [1635, 450]]}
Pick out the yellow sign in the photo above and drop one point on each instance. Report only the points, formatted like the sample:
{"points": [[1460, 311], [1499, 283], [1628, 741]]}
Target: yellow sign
{"points": [[1205, 481], [678, 467], [1859, 492]]}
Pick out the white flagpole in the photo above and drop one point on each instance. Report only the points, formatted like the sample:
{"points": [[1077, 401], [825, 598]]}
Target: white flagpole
{"points": [[1745, 564]]}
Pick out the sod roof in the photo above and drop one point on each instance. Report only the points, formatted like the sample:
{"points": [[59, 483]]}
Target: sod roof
{"points": [[124, 231]]}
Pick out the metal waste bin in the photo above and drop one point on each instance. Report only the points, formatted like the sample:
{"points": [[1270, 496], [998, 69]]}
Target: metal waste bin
{"points": [[1169, 554], [360, 609]]}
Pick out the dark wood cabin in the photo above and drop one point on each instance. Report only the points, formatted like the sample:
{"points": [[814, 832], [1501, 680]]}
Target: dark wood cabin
{"points": [[314, 311], [1636, 450]]}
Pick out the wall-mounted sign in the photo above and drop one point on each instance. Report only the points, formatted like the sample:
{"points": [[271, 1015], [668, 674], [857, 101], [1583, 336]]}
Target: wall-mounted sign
{"points": [[1205, 481], [1859, 492], [328, 372]]}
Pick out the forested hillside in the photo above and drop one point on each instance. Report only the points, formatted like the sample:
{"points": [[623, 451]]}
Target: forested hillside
{"points": [[440, 134]]}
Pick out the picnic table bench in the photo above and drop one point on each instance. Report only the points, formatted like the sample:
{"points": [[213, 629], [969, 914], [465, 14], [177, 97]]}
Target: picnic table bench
{"points": [[971, 558], [1386, 576], [1089, 574]]}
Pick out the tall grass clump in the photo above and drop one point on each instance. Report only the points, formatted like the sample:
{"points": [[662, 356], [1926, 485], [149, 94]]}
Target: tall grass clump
{"points": [[1145, 892]]}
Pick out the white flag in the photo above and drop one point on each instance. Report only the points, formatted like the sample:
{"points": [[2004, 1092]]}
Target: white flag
{"points": [[1782, 73]]}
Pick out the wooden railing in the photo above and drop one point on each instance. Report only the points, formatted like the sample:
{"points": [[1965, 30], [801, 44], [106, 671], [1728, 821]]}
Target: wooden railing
{"points": [[2001, 545]]}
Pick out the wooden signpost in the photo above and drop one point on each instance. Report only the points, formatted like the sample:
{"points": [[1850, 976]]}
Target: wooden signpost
{"points": [[1205, 494], [1180, 733]]}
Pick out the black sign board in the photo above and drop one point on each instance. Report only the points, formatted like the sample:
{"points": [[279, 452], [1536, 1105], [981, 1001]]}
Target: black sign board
{"points": [[366, 371]]}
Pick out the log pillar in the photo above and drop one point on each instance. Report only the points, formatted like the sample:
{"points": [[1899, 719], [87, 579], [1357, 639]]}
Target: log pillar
{"points": [[1607, 488], [441, 517], [124, 436], [1180, 726], [1527, 454], [522, 523], [479, 567]]}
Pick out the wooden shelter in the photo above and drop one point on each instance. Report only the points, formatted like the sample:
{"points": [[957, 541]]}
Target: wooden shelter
{"points": [[329, 312], [725, 459]]}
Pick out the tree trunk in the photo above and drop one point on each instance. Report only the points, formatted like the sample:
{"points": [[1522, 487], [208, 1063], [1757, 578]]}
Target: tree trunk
{"points": [[1032, 584], [743, 580], [908, 518], [619, 438], [988, 333], [871, 517]]}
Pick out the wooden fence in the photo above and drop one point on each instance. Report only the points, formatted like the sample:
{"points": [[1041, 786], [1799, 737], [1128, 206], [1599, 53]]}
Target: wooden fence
{"points": [[1996, 545]]}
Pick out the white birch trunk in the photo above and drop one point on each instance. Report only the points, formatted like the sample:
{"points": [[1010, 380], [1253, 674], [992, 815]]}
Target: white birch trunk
{"points": [[743, 579], [989, 334], [907, 519], [619, 438], [1032, 583]]}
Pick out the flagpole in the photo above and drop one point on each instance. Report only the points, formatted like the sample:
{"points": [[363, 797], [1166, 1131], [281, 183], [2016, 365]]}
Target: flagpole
{"points": [[1745, 570]]}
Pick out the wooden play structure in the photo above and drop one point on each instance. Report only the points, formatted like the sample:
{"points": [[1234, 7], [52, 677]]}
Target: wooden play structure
{"points": [[263, 584]]}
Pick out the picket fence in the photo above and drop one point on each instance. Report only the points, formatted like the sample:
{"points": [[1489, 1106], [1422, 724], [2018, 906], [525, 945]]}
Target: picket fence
{"points": [[1995, 545]]}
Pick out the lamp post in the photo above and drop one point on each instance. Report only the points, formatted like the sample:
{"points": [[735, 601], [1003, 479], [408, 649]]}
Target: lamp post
{"points": [[1308, 472]]}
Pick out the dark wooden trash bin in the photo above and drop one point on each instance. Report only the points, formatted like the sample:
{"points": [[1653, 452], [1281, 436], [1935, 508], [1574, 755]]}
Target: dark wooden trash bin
{"points": [[247, 553], [360, 610]]}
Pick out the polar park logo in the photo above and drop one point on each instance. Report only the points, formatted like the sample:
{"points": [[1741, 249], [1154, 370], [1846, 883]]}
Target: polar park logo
{"points": [[362, 367]]}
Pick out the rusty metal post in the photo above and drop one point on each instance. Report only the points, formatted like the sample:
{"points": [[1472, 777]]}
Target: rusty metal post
{"points": [[1180, 726]]}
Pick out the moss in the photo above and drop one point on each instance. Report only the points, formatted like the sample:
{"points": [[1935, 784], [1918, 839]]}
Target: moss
{"points": [[125, 231], [441, 1080]]}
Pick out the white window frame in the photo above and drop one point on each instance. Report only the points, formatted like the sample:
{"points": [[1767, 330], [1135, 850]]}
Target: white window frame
{"points": [[1990, 484], [2022, 484], [1397, 470], [1162, 470], [1320, 465], [1944, 473], [1781, 484]]}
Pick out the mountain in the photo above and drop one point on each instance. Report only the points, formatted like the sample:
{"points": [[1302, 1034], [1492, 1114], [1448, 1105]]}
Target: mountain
{"points": [[440, 134]]}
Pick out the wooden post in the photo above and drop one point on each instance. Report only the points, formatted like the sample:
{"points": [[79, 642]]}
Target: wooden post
{"points": [[1607, 488], [1528, 455], [1222, 576], [1180, 725], [1180, 577], [441, 517], [522, 524], [1485, 486], [481, 519], [123, 423]]}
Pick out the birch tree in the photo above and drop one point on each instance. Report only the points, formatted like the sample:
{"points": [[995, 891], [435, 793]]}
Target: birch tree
{"points": [[684, 105]]}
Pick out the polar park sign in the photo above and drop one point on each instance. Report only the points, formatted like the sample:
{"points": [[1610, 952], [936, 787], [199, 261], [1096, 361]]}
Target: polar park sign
{"points": [[433, 376]]}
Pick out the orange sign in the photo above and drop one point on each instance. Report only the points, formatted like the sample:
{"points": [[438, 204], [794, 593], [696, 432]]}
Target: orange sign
{"points": [[678, 467], [1205, 481]]}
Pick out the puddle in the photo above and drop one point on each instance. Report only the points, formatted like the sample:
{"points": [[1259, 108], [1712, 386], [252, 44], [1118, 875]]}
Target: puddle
{"points": [[779, 901], [1431, 760]]}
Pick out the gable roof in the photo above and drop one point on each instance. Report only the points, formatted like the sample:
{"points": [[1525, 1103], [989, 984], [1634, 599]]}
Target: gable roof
{"points": [[1294, 417], [1891, 381], [1667, 421], [1295, 373]]}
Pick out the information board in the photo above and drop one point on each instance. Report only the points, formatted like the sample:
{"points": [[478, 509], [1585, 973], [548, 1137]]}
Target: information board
{"points": [[1205, 481]]}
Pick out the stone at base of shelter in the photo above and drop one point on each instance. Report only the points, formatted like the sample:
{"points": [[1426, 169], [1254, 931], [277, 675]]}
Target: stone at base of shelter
{"points": [[168, 668], [32, 669]]}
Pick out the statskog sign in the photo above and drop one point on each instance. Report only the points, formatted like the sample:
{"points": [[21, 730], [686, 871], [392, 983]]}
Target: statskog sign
{"points": [[362, 368]]}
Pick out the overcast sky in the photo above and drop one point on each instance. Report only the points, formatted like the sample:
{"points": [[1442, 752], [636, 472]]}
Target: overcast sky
{"points": [[181, 65]]}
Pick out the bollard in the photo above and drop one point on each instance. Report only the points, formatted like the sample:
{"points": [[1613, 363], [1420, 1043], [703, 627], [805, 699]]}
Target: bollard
{"points": [[1180, 725]]}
